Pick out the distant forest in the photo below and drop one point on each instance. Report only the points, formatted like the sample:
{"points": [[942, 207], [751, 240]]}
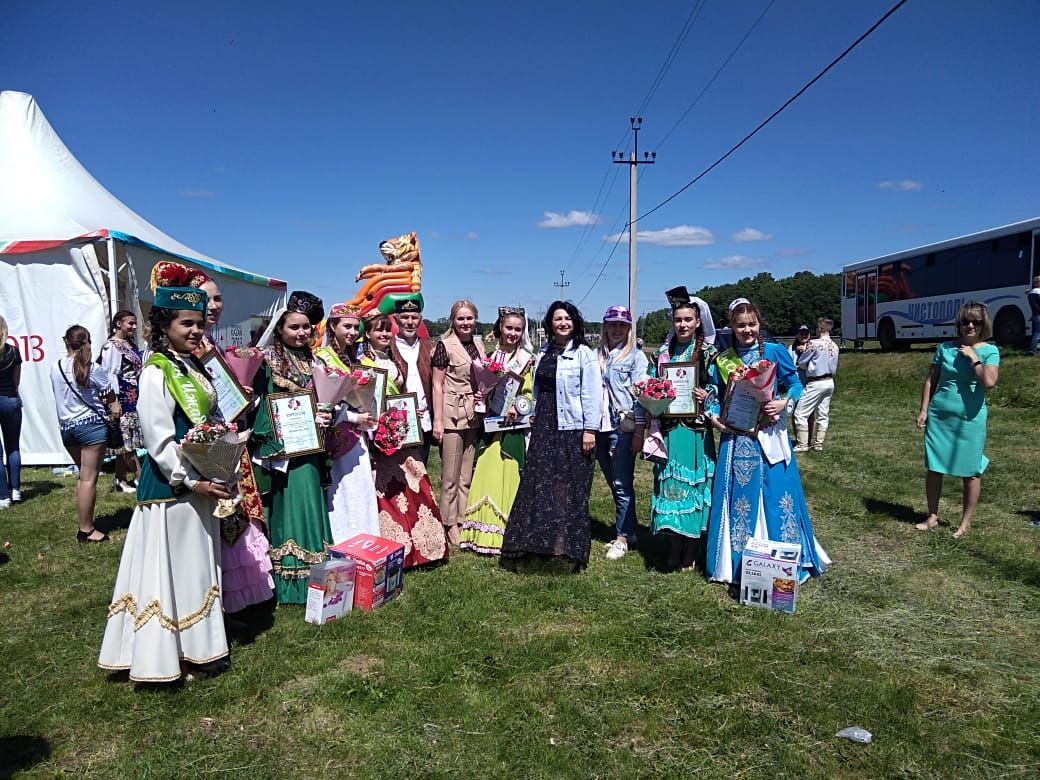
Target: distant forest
{"points": [[785, 303]]}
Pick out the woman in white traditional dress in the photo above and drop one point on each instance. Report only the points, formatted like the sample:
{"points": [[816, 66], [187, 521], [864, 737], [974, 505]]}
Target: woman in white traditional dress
{"points": [[352, 490], [166, 619]]}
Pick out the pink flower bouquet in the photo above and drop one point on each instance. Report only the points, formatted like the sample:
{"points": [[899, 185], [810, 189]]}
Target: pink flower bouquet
{"points": [[654, 395], [487, 373], [244, 362], [330, 385], [759, 376], [361, 388]]}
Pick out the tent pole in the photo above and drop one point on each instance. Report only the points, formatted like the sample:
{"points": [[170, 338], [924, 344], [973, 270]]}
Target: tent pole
{"points": [[113, 279]]}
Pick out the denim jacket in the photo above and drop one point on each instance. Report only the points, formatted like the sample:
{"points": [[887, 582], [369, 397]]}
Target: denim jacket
{"points": [[621, 375], [579, 388]]}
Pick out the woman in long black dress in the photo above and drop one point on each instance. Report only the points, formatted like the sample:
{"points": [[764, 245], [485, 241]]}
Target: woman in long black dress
{"points": [[550, 516]]}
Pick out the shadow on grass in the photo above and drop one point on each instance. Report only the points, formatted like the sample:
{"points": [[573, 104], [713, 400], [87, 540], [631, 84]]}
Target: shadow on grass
{"points": [[1021, 570], [654, 550], [900, 512], [119, 519], [38, 489], [21, 752], [244, 626], [1033, 516]]}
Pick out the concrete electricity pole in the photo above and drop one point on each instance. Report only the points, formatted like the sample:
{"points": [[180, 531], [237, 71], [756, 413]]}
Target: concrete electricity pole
{"points": [[633, 162], [562, 285]]}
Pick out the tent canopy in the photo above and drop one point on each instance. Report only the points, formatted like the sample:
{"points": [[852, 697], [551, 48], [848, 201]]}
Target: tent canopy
{"points": [[71, 252]]}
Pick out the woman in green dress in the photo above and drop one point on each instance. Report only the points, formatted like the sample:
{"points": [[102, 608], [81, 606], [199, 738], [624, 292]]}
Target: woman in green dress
{"points": [[682, 484], [953, 413], [500, 457], [298, 518]]}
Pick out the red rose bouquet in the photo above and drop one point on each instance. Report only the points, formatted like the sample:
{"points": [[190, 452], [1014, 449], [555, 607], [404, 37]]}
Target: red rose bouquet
{"points": [[391, 430], [654, 395], [487, 372]]}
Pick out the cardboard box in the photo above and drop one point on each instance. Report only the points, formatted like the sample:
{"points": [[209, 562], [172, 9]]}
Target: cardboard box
{"points": [[330, 591], [769, 573], [380, 568]]}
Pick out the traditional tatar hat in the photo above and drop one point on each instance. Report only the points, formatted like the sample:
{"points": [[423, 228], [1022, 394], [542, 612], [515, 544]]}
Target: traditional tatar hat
{"points": [[302, 302], [407, 304], [803, 327], [680, 296], [340, 310], [176, 286]]}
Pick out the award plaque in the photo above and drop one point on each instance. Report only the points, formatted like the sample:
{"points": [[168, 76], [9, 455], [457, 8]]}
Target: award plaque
{"points": [[293, 419], [683, 377], [232, 399]]}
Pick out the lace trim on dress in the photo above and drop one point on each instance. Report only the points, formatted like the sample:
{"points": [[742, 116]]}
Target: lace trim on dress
{"points": [[291, 547], [129, 604]]}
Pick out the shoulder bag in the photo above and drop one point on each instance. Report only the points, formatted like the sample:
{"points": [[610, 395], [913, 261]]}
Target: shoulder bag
{"points": [[114, 434]]}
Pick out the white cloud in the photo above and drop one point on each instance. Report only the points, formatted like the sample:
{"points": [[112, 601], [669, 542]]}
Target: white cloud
{"points": [[900, 185], [795, 251], [493, 272], [680, 235], [472, 235], [196, 193], [751, 234], [734, 261], [554, 219]]}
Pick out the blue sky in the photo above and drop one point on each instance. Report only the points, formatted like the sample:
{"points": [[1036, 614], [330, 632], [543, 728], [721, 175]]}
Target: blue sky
{"points": [[290, 139]]}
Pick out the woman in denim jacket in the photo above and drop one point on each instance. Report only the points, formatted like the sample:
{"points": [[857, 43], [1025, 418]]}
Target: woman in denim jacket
{"points": [[619, 441], [550, 516]]}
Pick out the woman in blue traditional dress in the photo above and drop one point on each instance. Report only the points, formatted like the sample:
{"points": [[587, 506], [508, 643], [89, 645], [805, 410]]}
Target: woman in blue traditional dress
{"points": [[298, 519], [165, 619], [953, 413], [758, 491], [682, 484]]}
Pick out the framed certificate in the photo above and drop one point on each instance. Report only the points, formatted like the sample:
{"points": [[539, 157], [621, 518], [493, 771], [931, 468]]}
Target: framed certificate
{"points": [[232, 399], [380, 378], [683, 377], [292, 417], [504, 394], [410, 404], [742, 407]]}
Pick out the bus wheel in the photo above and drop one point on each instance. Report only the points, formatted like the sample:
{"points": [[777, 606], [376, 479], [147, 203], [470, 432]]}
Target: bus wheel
{"points": [[886, 334], [1009, 328]]}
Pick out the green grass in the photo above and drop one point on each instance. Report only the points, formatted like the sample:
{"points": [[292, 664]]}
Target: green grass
{"points": [[622, 671]]}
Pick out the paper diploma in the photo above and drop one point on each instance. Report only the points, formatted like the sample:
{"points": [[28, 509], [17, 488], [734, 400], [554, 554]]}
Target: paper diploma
{"points": [[683, 377], [292, 415], [743, 406], [231, 398]]}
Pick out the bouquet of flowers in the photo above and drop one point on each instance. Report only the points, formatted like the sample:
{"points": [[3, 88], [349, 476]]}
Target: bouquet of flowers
{"points": [[654, 395], [487, 372], [391, 430], [360, 388], [215, 450], [330, 385], [757, 379], [244, 362]]}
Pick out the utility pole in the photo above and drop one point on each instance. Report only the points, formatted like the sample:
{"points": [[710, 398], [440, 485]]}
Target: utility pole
{"points": [[562, 285], [633, 162]]}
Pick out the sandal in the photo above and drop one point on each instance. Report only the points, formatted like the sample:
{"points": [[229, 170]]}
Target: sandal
{"points": [[84, 537]]}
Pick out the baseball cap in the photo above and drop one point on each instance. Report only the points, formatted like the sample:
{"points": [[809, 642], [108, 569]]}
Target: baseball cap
{"points": [[618, 314]]}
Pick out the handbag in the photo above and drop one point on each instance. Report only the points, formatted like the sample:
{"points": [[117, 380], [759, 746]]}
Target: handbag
{"points": [[113, 433], [626, 417]]}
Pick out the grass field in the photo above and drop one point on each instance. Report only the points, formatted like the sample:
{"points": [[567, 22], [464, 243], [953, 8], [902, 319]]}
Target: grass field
{"points": [[932, 644]]}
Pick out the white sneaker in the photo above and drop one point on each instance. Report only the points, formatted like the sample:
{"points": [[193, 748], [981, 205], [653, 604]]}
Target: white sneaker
{"points": [[617, 549], [16, 495], [5, 503], [119, 486], [801, 448]]}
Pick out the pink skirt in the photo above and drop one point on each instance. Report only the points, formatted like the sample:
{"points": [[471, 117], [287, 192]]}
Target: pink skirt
{"points": [[246, 570]]}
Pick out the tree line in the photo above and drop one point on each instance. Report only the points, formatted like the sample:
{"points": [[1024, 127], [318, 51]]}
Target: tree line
{"points": [[785, 303]]}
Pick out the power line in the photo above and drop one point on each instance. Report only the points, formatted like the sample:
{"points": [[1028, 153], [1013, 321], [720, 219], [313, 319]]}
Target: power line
{"points": [[776, 113], [711, 81], [680, 40]]}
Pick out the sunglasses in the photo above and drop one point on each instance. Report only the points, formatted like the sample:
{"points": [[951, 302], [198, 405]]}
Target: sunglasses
{"points": [[973, 323]]}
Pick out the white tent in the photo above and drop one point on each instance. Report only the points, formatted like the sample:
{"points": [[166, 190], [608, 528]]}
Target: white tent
{"points": [[73, 253]]}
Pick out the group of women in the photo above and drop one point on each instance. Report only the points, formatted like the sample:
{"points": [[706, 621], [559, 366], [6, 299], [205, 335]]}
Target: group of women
{"points": [[520, 490]]}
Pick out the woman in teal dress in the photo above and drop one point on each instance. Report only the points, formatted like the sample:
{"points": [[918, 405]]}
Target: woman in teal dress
{"points": [[953, 413], [758, 490], [682, 485], [298, 518]]}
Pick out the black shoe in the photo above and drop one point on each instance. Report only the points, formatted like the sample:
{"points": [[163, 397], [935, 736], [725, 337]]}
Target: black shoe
{"points": [[211, 669], [84, 537]]}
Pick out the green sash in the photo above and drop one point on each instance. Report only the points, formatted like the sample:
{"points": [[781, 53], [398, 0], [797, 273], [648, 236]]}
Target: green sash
{"points": [[728, 362], [186, 390], [331, 359]]}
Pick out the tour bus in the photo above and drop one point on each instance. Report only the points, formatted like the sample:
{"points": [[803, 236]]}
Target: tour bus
{"points": [[915, 295]]}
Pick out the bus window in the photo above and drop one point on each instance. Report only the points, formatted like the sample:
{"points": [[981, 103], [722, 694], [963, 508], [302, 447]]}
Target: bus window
{"points": [[850, 284]]}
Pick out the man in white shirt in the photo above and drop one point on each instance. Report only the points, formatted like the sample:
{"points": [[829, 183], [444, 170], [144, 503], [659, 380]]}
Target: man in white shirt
{"points": [[416, 352], [819, 362]]}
